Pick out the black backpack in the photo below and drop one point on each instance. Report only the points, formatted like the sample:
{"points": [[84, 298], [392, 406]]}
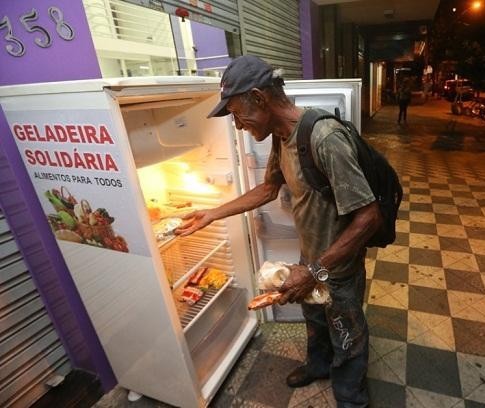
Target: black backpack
{"points": [[380, 175]]}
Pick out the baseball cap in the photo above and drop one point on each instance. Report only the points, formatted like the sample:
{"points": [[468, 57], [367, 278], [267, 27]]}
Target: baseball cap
{"points": [[241, 75]]}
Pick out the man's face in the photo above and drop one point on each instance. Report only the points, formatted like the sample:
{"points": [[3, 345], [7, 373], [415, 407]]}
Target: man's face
{"points": [[249, 116]]}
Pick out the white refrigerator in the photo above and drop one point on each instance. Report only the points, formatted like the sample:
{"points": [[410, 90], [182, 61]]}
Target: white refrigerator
{"points": [[110, 161]]}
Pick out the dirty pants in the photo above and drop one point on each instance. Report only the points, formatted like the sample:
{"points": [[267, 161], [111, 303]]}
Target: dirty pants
{"points": [[338, 340]]}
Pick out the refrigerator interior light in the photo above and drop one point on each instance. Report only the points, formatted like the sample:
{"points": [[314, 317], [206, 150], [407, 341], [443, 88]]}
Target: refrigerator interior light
{"points": [[192, 182]]}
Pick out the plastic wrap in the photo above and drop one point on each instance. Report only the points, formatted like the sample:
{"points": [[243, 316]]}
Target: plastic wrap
{"points": [[272, 275]]}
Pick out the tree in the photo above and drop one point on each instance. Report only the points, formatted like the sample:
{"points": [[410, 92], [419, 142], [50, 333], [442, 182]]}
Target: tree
{"points": [[458, 36]]}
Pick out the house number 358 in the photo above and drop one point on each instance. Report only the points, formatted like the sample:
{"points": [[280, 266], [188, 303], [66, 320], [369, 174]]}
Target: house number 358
{"points": [[16, 47]]}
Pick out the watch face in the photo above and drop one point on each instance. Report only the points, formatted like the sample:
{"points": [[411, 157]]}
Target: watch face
{"points": [[322, 275]]}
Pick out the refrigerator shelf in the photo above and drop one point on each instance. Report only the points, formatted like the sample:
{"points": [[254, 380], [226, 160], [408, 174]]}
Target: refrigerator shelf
{"points": [[163, 244], [183, 256], [189, 314]]}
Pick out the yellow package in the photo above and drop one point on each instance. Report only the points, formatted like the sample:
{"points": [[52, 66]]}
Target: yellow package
{"points": [[213, 277]]}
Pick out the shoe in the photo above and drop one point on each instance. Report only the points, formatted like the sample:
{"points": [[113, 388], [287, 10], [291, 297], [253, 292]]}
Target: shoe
{"points": [[303, 376]]}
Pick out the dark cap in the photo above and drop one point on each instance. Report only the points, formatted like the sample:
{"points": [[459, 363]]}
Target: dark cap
{"points": [[241, 75]]}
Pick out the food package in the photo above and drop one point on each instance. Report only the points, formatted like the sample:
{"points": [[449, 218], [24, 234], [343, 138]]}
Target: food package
{"points": [[166, 227], [213, 277], [272, 275], [191, 295], [154, 212], [195, 278], [266, 299], [158, 211]]}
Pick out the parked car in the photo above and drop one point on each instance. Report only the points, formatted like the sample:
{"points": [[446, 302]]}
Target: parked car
{"points": [[452, 87]]}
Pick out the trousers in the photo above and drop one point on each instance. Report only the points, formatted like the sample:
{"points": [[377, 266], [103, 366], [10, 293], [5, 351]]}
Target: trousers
{"points": [[338, 340], [403, 110]]}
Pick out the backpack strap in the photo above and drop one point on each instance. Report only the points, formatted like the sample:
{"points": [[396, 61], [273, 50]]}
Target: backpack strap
{"points": [[313, 176]]}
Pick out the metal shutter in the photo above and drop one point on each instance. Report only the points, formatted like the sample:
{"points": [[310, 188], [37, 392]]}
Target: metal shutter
{"points": [[217, 13], [271, 30], [30, 350]]}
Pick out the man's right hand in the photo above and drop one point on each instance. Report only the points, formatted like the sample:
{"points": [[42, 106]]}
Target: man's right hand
{"points": [[196, 220], [298, 285]]}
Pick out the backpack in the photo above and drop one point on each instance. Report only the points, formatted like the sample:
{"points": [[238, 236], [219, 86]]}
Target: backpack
{"points": [[380, 175]]}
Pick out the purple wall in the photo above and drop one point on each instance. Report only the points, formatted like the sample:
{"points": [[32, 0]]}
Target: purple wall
{"points": [[211, 46], [310, 37], [63, 60]]}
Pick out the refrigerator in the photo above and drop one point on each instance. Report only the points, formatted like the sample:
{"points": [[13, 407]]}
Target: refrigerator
{"points": [[112, 162]]}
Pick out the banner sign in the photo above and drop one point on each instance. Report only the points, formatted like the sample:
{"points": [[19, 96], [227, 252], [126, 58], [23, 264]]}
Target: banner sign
{"points": [[74, 161]]}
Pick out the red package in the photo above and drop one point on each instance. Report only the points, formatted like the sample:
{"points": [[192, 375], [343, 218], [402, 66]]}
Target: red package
{"points": [[197, 276], [192, 295]]}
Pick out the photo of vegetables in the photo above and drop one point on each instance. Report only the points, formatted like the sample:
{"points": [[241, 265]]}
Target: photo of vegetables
{"points": [[76, 222]]}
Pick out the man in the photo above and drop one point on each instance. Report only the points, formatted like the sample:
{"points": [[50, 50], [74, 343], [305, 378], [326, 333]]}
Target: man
{"points": [[332, 229], [403, 100]]}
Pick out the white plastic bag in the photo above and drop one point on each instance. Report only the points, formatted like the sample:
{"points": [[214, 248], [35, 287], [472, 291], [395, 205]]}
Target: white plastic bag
{"points": [[271, 276]]}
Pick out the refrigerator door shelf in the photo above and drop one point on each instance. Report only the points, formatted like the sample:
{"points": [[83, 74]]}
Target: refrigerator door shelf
{"points": [[267, 229]]}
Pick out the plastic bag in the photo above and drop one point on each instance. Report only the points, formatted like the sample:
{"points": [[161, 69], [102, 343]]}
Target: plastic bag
{"points": [[272, 275]]}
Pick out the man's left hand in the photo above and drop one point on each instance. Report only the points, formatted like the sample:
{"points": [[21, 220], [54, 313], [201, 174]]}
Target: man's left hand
{"points": [[297, 286]]}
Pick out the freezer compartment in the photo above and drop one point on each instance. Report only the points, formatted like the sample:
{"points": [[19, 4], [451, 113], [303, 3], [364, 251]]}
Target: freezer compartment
{"points": [[160, 134], [169, 129], [211, 337]]}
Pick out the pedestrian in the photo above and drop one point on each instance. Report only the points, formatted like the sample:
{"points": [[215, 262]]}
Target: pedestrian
{"points": [[332, 229], [427, 88], [403, 99]]}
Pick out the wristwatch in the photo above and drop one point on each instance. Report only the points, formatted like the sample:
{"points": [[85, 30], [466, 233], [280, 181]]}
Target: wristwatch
{"points": [[319, 272]]}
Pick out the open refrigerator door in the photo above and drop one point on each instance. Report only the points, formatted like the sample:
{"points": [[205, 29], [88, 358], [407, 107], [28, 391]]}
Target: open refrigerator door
{"points": [[111, 161], [271, 226]]}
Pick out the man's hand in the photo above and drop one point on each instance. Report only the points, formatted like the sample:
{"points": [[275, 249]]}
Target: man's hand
{"points": [[196, 220], [298, 285]]}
